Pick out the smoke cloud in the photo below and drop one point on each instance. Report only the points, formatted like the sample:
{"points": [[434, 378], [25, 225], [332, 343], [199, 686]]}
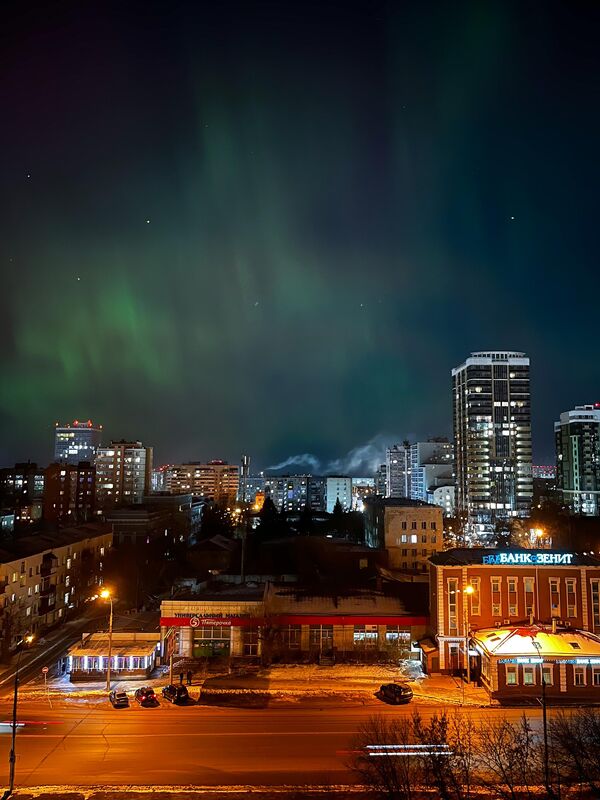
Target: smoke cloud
{"points": [[362, 460]]}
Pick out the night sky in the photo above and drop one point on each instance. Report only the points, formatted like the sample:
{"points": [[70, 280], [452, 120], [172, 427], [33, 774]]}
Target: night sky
{"points": [[275, 227]]}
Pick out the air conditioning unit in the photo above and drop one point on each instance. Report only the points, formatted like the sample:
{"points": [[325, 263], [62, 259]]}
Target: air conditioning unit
{"points": [[506, 622]]}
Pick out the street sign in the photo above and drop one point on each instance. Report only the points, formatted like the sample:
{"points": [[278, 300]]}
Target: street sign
{"points": [[44, 670]]}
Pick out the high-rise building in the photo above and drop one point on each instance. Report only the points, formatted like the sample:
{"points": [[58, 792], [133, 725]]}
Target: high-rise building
{"points": [[288, 492], [77, 441], [244, 476], [431, 467], [397, 470], [339, 487], [361, 489], [215, 479], [69, 492], [380, 480], [492, 437], [123, 473], [577, 437]]}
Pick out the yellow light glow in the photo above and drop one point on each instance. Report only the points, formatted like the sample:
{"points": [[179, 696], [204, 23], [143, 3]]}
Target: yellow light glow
{"points": [[469, 589], [105, 594], [29, 639]]}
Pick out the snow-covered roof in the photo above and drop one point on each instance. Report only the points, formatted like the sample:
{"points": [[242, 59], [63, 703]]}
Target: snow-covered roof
{"points": [[537, 641]]}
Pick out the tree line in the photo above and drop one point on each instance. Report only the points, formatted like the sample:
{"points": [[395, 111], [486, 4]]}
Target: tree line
{"points": [[453, 757]]}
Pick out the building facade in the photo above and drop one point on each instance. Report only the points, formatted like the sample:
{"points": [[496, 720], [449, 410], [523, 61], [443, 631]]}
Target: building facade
{"points": [[338, 487], [509, 588], [123, 473], [577, 439], [397, 470], [408, 530], [22, 493], [431, 467], [492, 438], [216, 480], [276, 622], [76, 441], [69, 492], [46, 575]]}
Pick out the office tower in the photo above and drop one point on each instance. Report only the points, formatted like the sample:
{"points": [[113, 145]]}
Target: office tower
{"points": [[123, 473], [22, 492], [339, 487], [76, 442], [577, 438], [492, 438], [69, 492], [431, 467], [397, 466]]}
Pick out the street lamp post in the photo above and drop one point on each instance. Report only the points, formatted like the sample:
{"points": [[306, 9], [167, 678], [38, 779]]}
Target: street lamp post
{"points": [[12, 758], [106, 595], [467, 592]]}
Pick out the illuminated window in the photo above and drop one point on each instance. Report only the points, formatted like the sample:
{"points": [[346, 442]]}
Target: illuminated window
{"points": [[452, 605], [579, 675], [511, 675], [548, 676]]}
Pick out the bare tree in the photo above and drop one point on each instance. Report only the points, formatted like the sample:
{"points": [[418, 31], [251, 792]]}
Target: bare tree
{"points": [[576, 747], [448, 754], [508, 759], [377, 763]]}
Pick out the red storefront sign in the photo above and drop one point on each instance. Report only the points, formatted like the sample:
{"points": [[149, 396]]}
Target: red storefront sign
{"points": [[289, 619]]}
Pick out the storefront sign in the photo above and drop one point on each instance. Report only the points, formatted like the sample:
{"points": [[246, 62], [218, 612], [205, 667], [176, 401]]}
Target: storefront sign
{"points": [[531, 558]]}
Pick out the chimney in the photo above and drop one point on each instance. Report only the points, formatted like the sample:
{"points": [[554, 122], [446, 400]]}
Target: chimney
{"points": [[553, 624]]}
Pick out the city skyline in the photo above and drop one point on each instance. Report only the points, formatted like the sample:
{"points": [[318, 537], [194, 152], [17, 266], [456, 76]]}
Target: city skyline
{"points": [[253, 204]]}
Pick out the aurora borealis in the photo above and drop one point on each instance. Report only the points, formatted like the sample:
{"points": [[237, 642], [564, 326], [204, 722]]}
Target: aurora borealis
{"points": [[274, 228]]}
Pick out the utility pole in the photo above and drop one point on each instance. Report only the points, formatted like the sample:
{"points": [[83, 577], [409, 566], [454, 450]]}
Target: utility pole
{"points": [[12, 758], [545, 727], [106, 595]]}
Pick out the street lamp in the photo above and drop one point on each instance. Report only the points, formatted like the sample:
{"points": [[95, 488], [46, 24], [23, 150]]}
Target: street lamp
{"points": [[467, 592], [12, 758], [106, 595]]}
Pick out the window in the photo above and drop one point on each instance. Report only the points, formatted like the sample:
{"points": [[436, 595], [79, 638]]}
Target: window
{"points": [[512, 585], [496, 612], [474, 598], [496, 585], [404, 538], [554, 597], [424, 539], [413, 538], [433, 539], [321, 636], [452, 609], [395, 635], [571, 597], [528, 582], [404, 525], [596, 603], [579, 673], [365, 635], [528, 676], [413, 526], [548, 674], [423, 526], [291, 636], [511, 675], [250, 641], [434, 526], [596, 676]]}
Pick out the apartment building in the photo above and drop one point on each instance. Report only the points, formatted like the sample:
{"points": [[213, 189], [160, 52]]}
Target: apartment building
{"points": [[123, 473]]}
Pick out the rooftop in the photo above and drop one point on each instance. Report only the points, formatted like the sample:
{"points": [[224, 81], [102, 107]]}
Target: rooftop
{"points": [[397, 502], [42, 542], [537, 641], [520, 556]]}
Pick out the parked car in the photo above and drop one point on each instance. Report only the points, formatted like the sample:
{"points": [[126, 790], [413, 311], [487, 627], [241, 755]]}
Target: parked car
{"points": [[175, 694], [118, 699], [145, 696], [395, 693]]}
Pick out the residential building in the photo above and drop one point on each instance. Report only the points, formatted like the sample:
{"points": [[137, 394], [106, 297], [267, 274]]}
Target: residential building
{"points": [[445, 498], [492, 438], [288, 492], [577, 438], [123, 473], [408, 530], [166, 517], [255, 484], [397, 470], [431, 466], [22, 493], [244, 477], [217, 480], [380, 480], [510, 588], [46, 575], [76, 441], [69, 492], [338, 487]]}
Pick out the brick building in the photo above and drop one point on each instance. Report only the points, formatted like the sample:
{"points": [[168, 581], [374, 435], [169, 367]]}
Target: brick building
{"points": [[509, 589]]}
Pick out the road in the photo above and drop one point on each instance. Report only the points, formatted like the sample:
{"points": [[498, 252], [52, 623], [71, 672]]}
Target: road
{"points": [[191, 745]]}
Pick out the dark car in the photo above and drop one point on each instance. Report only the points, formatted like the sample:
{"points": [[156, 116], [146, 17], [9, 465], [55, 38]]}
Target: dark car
{"points": [[175, 694], [395, 693], [118, 699], [145, 696]]}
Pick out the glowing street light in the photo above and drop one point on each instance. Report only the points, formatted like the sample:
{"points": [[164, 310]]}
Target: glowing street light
{"points": [[106, 595], [12, 758], [467, 591]]}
